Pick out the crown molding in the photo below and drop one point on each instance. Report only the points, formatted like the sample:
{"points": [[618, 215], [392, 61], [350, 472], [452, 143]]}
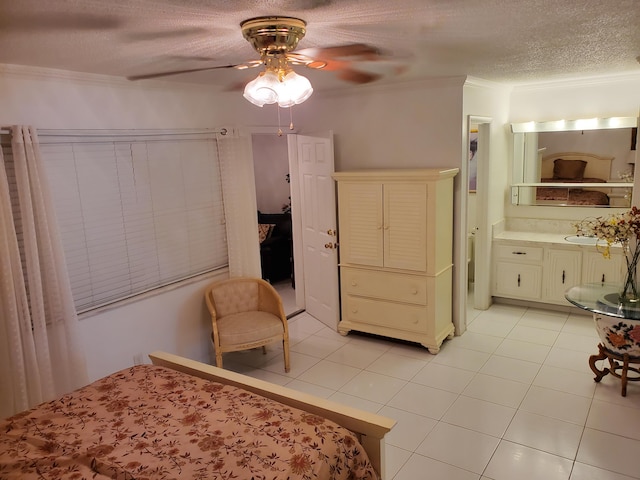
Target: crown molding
{"points": [[584, 81], [30, 72], [393, 86], [482, 83]]}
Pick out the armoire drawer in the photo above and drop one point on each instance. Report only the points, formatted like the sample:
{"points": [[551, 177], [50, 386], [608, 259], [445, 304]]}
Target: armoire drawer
{"points": [[411, 318], [385, 285]]}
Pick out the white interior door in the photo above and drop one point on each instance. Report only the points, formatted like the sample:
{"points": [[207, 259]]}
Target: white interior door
{"points": [[317, 227]]}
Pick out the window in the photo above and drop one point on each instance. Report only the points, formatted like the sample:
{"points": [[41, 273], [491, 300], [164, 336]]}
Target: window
{"points": [[136, 212]]}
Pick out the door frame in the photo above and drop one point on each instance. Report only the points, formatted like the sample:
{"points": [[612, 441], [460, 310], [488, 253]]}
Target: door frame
{"points": [[482, 242], [296, 221], [296, 218]]}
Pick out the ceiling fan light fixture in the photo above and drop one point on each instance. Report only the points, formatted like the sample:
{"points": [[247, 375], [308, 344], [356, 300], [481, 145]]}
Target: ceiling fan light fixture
{"points": [[286, 88]]}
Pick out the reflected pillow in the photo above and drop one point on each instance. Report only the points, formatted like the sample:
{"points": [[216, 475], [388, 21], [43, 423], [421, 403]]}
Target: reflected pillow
{"points": [[568, 169]]}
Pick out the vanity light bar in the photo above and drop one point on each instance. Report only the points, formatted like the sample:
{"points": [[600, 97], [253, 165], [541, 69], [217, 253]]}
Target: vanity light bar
{"points": [[580, 124]]}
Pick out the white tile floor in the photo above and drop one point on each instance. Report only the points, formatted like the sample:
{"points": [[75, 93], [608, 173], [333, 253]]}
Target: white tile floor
{"points": [[512, 398]]}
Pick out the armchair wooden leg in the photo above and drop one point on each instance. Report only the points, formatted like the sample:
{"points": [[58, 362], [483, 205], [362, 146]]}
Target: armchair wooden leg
{"points": [[264, 350], [287, 362], [218, 350]]}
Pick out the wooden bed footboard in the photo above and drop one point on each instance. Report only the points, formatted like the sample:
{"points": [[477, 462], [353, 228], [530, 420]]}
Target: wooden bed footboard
{"points": [[369, 427]]}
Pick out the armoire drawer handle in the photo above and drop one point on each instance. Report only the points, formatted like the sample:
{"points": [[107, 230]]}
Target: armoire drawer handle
{"points": [[414, 291], [354, 284], [354, 310], [518, 253]]}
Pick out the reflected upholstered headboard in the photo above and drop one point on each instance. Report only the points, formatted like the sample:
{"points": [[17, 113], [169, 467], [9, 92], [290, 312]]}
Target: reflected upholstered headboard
{"points": [[597, 166]]}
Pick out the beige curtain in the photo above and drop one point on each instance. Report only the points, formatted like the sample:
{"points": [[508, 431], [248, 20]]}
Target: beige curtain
{"points": [[41, 356], [240, 206]]}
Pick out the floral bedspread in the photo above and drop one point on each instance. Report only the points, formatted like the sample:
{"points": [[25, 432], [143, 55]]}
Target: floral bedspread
{"points": [[150, 422]]}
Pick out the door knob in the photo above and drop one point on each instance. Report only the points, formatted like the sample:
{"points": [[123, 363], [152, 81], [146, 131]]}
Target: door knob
{"points": [[330, 245], [331, 232]]}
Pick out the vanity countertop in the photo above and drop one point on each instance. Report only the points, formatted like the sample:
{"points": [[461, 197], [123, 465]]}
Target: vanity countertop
{"points": [[544, 238], [537, 237]]}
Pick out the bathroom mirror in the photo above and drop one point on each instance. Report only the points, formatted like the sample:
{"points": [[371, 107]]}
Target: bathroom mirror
{"points": [[574, 163]]}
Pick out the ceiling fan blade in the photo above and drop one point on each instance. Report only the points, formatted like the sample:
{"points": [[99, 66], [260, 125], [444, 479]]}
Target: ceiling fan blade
{"points": [[58, 21], [356, 76], [358, 50], [190, 70], [168, 35]]}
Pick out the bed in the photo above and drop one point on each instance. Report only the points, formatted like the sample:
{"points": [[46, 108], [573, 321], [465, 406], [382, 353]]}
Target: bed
{"points": [[179, 418], [586, 169]]}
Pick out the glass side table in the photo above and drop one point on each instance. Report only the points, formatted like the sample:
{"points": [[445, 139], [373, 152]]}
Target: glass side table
{"points": [[618, 326]]}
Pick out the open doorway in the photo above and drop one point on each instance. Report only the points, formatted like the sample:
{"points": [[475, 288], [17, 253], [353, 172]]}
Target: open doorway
{"points": [[273, 199]]}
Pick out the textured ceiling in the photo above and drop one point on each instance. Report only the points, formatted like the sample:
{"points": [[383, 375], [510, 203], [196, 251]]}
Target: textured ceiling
{"points": [[513, 41]]}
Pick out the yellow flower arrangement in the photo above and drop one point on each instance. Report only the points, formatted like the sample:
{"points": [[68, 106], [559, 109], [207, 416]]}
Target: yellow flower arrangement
{"points": [[621, 228]]}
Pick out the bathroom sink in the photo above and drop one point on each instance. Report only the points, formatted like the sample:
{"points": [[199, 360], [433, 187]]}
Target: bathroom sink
{"points": [[581, 239]]}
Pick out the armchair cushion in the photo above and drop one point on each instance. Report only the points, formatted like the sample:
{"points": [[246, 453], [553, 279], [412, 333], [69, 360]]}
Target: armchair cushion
{"points": [[247, 327]]}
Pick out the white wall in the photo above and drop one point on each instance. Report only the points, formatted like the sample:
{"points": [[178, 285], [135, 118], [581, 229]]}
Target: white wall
{"points": [[271, 166], [411, 125], [53, 99], [614, 96]]}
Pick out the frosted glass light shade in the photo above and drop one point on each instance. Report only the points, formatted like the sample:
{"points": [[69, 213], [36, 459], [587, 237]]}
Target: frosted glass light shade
{"points": [[263, 89], [267, 88], [294, 89]]}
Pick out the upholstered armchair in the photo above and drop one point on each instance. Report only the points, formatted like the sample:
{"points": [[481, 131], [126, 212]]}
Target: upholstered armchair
{"points": [[246, 313]]}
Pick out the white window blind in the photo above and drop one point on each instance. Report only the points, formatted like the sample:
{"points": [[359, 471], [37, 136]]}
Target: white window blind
{"points": [[135, 213]]}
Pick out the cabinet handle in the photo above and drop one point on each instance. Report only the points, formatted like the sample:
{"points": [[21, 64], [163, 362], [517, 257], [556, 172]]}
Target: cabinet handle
{"points": [[518, 279], [414, 291], [354, 310], [354, 283], [563, 276], [518, 253], [603, 278]]}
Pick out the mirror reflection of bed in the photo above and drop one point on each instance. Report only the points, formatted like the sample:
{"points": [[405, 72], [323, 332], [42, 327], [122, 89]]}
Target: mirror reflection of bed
{"points": [[586, 172]]}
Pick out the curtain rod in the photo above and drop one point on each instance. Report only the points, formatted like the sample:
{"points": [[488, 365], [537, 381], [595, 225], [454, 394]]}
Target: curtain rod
{"points": [[107, 133]]}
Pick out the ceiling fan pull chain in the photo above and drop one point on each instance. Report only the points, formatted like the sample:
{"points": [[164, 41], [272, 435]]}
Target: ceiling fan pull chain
{"points": [[279, 129], [291, 117]]}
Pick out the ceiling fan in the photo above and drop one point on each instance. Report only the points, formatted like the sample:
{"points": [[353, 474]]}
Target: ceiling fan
{"points": [[275, 38]]}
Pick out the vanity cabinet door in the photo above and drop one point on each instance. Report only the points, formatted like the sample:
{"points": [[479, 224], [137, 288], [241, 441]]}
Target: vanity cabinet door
{"points": [[518, 271], [518, 280], [562, 270], [597, 269]]}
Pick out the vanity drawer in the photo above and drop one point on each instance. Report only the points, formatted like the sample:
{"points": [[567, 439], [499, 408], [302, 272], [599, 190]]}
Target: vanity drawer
{"points": [[384, 285], [412, 318], [519, 253]]}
